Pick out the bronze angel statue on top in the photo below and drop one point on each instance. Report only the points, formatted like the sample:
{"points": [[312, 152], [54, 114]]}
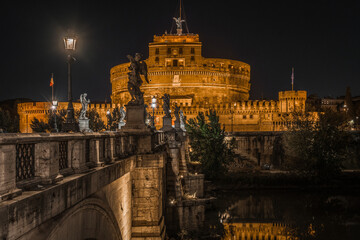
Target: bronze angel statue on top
{"points": [[137, 67]]}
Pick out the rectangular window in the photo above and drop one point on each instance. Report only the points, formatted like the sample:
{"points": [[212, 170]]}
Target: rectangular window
{"points": [[175, 63], [156, 51], [180, 51], [192, 58], [192, 50], [169, 51]]}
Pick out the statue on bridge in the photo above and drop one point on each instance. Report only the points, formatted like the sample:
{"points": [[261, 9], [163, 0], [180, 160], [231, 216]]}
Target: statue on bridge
{"points": [[83, 120], [166, 105], [137, 67], [84, 105], [122, 117]]}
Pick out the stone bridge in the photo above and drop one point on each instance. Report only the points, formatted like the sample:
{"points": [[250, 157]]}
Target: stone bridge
{"points": [[83, 185]]}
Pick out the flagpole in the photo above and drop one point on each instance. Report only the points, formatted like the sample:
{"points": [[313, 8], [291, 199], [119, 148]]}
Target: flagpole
{"points": [[292, 80], [52, 87]]}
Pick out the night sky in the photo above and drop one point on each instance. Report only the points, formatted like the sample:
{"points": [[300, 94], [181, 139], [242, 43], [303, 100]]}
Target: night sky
{"points": [[320, 39]]}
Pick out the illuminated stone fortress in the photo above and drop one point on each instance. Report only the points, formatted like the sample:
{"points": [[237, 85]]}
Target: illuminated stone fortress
{"points": [[176, 67], [196, 84]]}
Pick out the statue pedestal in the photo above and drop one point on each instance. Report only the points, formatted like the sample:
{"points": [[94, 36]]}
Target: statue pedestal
{"points": [[135, 118], [84, 125], [167, 124], [177, 124], [139, 132], [121, 124]]}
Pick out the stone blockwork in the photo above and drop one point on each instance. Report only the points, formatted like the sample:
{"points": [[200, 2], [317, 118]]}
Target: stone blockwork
{"points": [[148, 180], [260, 148], [81, 186], [33, 212]]}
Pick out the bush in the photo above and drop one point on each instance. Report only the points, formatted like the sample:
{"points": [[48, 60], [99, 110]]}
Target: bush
{"points": [[318, 145]]}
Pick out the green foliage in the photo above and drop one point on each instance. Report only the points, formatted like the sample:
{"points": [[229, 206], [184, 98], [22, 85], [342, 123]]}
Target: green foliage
{"points": [[113, 119], [39, 126], [95, 123], [60, 118], [208, 144], [8, 122], [318, 146]]}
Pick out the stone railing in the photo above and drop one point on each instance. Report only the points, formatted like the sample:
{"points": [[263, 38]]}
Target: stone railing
{"points": [[27, 160], [159, 138]]}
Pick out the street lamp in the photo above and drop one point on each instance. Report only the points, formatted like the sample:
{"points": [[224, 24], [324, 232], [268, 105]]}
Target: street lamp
{"points": [[153, 106], [70, 122], [53, 107], [108, 114]]}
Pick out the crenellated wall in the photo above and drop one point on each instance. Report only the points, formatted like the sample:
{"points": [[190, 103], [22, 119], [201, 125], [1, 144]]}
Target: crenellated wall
{"points": [[245, 115]]}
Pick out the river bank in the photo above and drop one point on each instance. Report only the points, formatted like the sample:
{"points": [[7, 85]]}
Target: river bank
{"points": [[281, 180]]}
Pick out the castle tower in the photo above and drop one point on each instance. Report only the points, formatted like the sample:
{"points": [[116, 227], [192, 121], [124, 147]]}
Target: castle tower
{"points": [[290, 101], [177, 67]]}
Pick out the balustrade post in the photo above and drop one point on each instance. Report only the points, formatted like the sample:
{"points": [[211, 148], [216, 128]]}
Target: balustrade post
{"points": [[47, 162], [111, 149], [77, 155], [97, 156], [8, 187]]}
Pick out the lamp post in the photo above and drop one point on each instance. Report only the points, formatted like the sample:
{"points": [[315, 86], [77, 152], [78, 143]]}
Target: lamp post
{"points": [[53, 107], [153, 106], [108, 114], [70, 122]]}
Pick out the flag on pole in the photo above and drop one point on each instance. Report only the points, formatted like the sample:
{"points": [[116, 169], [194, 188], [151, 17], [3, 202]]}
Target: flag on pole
{"points": [[292, 79], [52, 80]]}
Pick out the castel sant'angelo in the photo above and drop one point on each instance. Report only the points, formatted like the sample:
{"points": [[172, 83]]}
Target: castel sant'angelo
{"points": [[195, 83]]}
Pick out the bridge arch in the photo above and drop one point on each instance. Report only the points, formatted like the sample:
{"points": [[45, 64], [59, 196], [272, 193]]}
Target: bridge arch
{"points": [[90, 219]]}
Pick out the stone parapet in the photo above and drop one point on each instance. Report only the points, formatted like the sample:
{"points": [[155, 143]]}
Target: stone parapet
{"points": [[27, 160]]}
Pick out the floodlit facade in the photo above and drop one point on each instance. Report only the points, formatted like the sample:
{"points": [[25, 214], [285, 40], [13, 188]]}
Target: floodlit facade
{"points": [[196, 84]]}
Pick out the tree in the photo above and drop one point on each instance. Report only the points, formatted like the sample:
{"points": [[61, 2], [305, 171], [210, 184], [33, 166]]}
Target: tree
{"points": [[8, 122], [318, 145], [95, 123], [114, 119], [208, 144], [60, 118], [39, 126]]}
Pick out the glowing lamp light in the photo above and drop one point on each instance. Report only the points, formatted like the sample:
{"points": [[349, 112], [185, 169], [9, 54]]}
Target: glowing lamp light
{"points": [[153, 102], [70, 43], [108, 112]]}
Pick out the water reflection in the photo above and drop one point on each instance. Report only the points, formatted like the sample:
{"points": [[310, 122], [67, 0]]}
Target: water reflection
{"points": [[272, 215]]}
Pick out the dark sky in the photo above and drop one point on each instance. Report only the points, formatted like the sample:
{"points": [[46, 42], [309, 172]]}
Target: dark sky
{"points": [[320, 39]]}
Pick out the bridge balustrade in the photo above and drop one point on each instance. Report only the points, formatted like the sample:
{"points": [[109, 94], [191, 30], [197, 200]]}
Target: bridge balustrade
{"points": [[27, 160]]}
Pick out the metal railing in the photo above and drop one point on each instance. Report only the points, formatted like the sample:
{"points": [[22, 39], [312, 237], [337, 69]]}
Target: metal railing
{"points": [[25, 161]]}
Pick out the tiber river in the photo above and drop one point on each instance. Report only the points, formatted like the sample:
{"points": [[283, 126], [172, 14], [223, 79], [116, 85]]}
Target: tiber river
{"points": [[271, 215]]}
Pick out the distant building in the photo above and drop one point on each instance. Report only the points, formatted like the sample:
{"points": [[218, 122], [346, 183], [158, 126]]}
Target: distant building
{"points": [[196, 84]]}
